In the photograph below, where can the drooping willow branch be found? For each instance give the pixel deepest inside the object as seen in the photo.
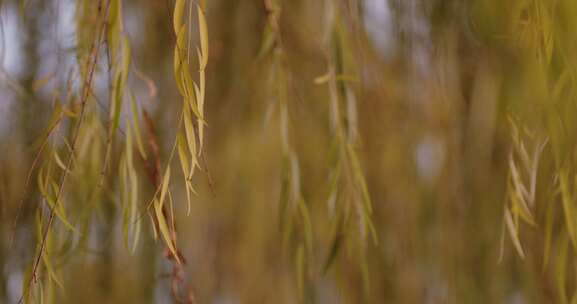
(293, 208)
(108, 30)
(348, 185)
(93, 61)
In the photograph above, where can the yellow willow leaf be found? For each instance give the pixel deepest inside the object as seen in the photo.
(188, 203)
(128, 147)
(524, 155)
(360, 179)
(190, 139)
(59, 162)
(199, 57)
(68, 112)
(114, 26)
(521, 209)
(171, 210)
(164, 187)
(154, 230)
(123, 187)
(200, 116)
(201, 101)
(116, 106)
(516, 178)
(136, 125)
(513, 233)
(47, 262)
(177, 60)
(163, 227)
(136, 236)
(134, 206)
(57, 210)
(177, 74)
(192, 106)
(133, 188)
(181, 45)
(181, 69)
(178, 14)
(188, 85)
(199, 95)
(126, 57)
(189, 190)
(130, 183)
(183, 154)
(322, 79)
(203, 32)
(41, 182)
(202, 90)
(200, 135)
(534, 170)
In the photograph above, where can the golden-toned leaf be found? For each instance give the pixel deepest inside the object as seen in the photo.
(178, 14)
(190, 139)
(43, 186)
(47, 261)
(164, 187)
(136, 126)
(203, 31)
(126, 56)
(513, 233)
(59, 161)
(183, 155)
(164, 231)
(322, 79)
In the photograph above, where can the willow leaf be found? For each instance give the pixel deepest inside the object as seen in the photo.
(203, 31)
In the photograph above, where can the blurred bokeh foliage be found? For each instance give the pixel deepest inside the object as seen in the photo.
(291, 151)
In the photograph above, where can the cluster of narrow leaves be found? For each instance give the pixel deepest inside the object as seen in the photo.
(190, 137)
(348, 192)
(80, 139)
(294, 214)
(521, 184)
(119, 57)
(552, 220)
(98, 145)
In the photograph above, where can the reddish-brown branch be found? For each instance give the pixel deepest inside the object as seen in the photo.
(153, 170)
